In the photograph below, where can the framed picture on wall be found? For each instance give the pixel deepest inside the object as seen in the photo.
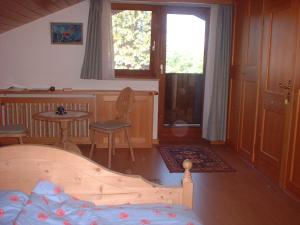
(66, 33)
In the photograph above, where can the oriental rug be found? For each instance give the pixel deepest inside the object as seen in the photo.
(204, 159)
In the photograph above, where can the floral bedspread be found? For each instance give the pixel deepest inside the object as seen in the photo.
(49, 204)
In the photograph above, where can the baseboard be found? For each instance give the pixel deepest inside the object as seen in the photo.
(217, 142)
(155, 141)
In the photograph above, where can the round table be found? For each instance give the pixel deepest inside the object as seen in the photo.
(64, 120)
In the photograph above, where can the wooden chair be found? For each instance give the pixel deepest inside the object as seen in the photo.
(18, 131)
(121, 121)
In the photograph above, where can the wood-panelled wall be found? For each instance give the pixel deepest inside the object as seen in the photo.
(264, 105)
(18, 108)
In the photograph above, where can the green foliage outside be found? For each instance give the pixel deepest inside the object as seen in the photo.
(183, 62)
(132, 39)
(132, 43)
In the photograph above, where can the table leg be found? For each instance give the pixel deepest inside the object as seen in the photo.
(65, 142)
(64, 133)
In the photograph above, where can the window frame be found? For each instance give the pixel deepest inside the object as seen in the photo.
(151, 72)
(157, 56)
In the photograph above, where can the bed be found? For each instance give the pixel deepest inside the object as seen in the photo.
(31, 169)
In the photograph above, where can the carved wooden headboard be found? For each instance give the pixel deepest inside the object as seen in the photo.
(21, 166)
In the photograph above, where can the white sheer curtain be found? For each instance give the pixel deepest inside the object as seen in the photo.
(217, 74)
(98, 60)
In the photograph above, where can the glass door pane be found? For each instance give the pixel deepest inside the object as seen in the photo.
(185, 54)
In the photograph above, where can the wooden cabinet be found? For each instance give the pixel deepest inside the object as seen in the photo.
(264, 110)
(18, 107)
(244, 77)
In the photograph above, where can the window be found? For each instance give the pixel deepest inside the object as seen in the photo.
(148, 42)
(133, 40)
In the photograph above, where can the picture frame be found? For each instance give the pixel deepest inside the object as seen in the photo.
(66, 33)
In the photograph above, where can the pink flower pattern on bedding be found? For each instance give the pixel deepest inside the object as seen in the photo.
(49, 204)
(11, 204)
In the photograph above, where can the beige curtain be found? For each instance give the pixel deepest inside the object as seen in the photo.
(98, 60)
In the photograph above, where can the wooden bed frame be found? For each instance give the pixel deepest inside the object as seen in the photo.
(21, 166)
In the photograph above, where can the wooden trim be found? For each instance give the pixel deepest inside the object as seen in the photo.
(70, 91)
(75, 173)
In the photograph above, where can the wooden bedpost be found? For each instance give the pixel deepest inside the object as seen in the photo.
(187, 184)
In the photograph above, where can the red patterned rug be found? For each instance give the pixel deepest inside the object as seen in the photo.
(204, 158)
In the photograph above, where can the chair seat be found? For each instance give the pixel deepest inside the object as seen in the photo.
(109, 125)
(12, 129)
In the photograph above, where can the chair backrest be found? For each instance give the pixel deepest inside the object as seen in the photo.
(124, 104)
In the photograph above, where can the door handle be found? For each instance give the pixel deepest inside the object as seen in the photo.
(287, 86)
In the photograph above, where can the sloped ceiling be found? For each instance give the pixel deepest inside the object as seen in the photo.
(14, 13)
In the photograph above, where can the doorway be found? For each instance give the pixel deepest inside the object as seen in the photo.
(182, 75)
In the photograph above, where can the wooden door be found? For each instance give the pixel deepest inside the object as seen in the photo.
(277, 71)
(293, 165)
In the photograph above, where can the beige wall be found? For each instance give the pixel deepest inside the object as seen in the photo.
(28, 59)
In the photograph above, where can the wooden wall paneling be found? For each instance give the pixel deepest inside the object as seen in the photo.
(9, 14)
(10, 22)
(278, 60)
(14, 6)
(15, 13)
(33, 6)
(61, 4)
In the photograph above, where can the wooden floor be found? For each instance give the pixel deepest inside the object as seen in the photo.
(245, 197)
